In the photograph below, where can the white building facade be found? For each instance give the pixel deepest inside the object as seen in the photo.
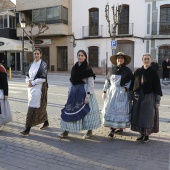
(138, 31)
(158, 29)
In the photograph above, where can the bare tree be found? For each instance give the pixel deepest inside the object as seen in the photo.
(42, 27)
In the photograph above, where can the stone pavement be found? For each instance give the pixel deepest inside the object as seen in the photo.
(43, 150)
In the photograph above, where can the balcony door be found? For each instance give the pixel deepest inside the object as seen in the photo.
(93, 22)
(62, 59)
(123, 26)
(93, 56)
(164, 20)
(127, 47)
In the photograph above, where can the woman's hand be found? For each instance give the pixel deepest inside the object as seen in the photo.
(103, 96)
(123, 91)
(157, 105)
(30, 84)
(86, 101)
(5, 97)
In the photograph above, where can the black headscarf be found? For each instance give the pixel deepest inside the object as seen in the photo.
(123, 71)
(79, 72)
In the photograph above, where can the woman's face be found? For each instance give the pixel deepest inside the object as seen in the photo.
(167, 59)
(37, 55)
(120, 60)
(146, 60)
(81, 57)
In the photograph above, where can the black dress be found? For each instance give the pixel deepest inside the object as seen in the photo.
(144, 114)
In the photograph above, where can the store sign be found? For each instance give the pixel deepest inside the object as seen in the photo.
(42, 41)
(1, 43)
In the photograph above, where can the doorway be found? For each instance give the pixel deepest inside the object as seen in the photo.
(62, 58)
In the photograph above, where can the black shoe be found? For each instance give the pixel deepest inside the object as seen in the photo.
(140, 138)
(111, 134)
(146, 139)
(88, 134)
(63, 134)
(24, 133)
(45, 125)
(118, 130)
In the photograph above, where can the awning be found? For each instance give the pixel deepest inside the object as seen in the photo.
(11, 45)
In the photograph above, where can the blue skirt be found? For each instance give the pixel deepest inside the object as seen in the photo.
(75, 109)
(91, 121)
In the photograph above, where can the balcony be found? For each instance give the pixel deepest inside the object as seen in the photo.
(124, 29)
(161, 28)
(54, 29)
(93, 31)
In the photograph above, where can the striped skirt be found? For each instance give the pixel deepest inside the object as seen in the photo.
(91, 121)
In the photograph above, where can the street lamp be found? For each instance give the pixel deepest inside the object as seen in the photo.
(23, 24)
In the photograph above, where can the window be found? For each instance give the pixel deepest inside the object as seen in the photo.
(93, 56)
(5, 21)
(39, 15)
(64, 13)
(1, 21)
(165, 19)
(123, 27)
(93, 22)
(51, 15)
(11, 22)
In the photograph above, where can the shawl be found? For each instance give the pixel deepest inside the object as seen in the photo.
(123, 71)
(79, 72)
(42, 71)
(151, 81)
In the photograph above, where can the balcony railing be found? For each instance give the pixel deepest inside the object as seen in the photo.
(125, 29)
(161, 28)
(92, 31)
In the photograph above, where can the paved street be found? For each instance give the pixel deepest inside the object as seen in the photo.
(43, 150)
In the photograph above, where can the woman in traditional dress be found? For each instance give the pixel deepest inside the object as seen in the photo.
(146, 100)
(81, 111)
(116, 94)
(5, 113)
(37, 93)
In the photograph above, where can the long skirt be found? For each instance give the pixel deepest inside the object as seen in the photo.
(5, 112)
(36, 116)
(144, 115)
(91, 121)
(116, 108)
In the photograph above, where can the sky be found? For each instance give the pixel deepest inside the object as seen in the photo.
(14, 1)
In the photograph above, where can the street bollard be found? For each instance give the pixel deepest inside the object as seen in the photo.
(10, 73)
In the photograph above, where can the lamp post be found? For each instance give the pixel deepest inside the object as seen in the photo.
(23, 24)
(116, 10)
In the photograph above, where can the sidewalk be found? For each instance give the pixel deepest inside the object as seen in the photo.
(43, 150)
